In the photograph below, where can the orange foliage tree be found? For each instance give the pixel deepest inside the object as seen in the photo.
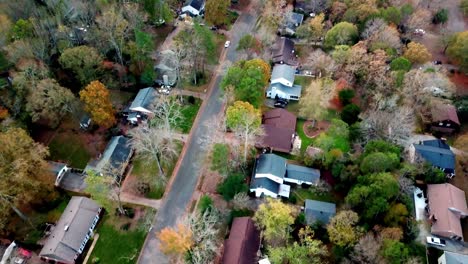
(262, 65)
(175, 241)
(97, 103)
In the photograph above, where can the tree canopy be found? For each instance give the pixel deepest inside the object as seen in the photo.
(457, 49)
(342, 229)
(417, 53)
(84, 61)
(275, 218)
(97, 103)
(343, 33)
(216, 11)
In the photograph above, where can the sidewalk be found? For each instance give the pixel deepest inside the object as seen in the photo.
(134, 199)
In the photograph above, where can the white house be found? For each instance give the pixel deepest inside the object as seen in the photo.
(272, 173)
(283, 74)
(278, 90)
(194, 7)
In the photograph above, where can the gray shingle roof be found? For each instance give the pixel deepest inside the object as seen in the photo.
(71, 229)
(264, 183)
(116, 155)
(145, 98)
(319, 211)
(56, 167)
(283, 71)
(295, 90)
(271, 164)
(438, 156)
(302, 173)
(455, 258)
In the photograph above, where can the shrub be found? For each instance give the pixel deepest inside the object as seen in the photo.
(440, 17)
(400, 64)
(379, 162)
(381, 146)
(232, 185)
(345, 96)
(395, 252)
(300, 219)
(205, 203)
(350, 114)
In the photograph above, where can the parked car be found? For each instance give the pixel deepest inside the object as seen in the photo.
(435, 241)
(280, 103)
(214, 28)
(437, 62)
(419, 31)
(226, 45)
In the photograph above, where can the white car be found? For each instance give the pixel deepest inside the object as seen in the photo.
(435, 241)
(226, 45)
(419, 31)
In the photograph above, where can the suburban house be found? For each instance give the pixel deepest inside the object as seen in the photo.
(194, 8)
(307, 7)
(437, 153)
(452, 258)
(318, 211)
(69, 237)
(115, 158)
(282, 83)
(58, 169)
(444, 119)
(291, 23)
(283, 52)
(280, 130)
(166, 68)
(243, 244)
(272, 174)
(142, 105)
(446, 207)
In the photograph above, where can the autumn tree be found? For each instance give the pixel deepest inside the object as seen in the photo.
(245, 121)
(421, 18)
(175, 241)
(395, 252)
(97, 103)
(5, 26)
(457, 49)
(83, 61)
(367, 250)
(105, 187)
(205, 234)
(342, 229)
(216, 11)
(23, 175)
(313, 30)
(397, 215)
(311, 106)
(259, 64)
(50, 101)
(275, 218)
(343, 33)
(307, 250)
(417, 53)
(246, 44)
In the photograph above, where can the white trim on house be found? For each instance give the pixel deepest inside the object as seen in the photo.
(265, 192)
(283, 81)
(269, 176)
(141, 110)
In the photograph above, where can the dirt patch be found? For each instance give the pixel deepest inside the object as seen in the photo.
(313, 129)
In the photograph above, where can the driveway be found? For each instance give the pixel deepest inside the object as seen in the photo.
(175, 203)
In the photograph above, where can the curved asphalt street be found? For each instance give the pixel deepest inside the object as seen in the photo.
(183, 186)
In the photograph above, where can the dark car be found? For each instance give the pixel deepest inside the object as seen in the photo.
(281, 103)
(437, 62)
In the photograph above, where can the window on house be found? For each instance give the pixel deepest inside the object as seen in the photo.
(441, 124)
(448, 124)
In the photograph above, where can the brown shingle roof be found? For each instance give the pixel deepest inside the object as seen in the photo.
(447, 205)
(280, 128)
(283, 52)
(442, 112)
(243, 243)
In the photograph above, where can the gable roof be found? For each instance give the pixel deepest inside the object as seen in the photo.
(295, 90)
(296, 18)
(277, 138)
(454, 258)
(264, 183)
(116, 155)
(56, 167)
(283, 51)
(302, 173)
(144, 99)
(271, 164)
(446, 204)
(442, 112)
(65, 240)
(280, 118)
(243, 243)
(436, 153)
(319, 211)
(283, 71)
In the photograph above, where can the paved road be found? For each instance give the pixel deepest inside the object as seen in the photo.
(183, 186)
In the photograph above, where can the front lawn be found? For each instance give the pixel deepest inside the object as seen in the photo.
(189, 112)
(305, 140)
(121, 238)
(68, 148)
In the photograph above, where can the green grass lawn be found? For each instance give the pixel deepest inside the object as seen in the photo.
(117, 246)
(68, 148)
(189, 112)
(311, 194)
(303, 81)
(305, 140)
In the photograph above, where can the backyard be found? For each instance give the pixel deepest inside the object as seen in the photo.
(299, 196)
(121, 238)
(68, 148)
(305, 140)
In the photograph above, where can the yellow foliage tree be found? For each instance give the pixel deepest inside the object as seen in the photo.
(97, 103)
(417, 53)
(175, 242)
(275, 218)
(262, 65)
